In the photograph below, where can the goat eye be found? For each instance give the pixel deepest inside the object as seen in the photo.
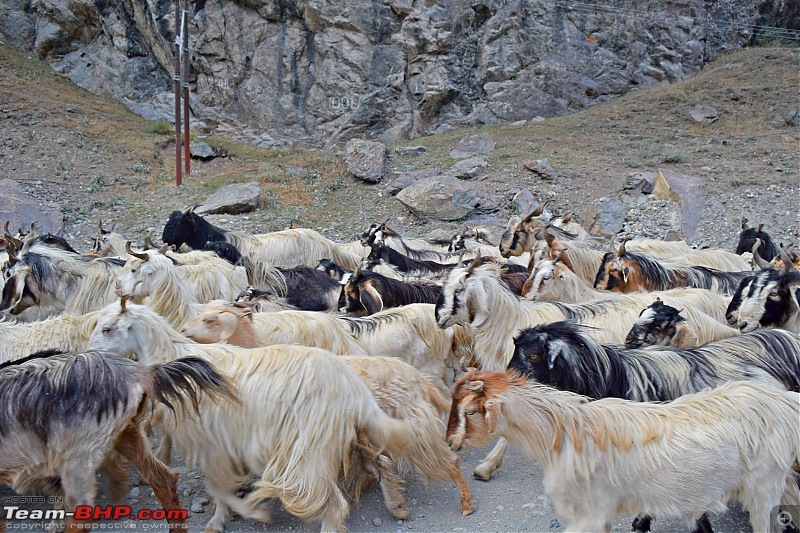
(106, 329)
(774, 296)
(470, 412)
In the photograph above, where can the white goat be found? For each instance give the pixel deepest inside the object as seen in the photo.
(600, 458)
(64, 332)
(300, 448)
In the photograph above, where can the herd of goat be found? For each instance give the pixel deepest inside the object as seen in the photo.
(655, 380)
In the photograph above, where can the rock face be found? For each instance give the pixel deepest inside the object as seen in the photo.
(444, 198)
(366, 160)
(689, 192)
(20, 211)
(232, 199)
(327, 71)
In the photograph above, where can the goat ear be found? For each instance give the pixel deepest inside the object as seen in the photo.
(477, 316)
(370, 298)
(625, 271)
(493, 409)
(228, 321)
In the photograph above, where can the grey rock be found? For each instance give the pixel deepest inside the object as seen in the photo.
(134, 493)
(640, 182)
(411, 150)
(366, 160)
(232, 199)
(197, 508)
(468, 169)
(792, 118)
(444, 198)
(473, 145)
(542, 168)
(377, 522)
(201, 150)
(609, 217)
(407, 179)
(689, 192)
(704, 114)
(183, 487)
(20, 210)
(201, 500)
(521, 201)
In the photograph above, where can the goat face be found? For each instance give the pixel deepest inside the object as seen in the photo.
(116, 332)
(473, 417)
(331, 269)
(613, 275)
(462, 301)
(137, 277)
(508, 236)
(359, 295)
(771, 300)
(369, 236)
(656, 325)
(21, 290)
(542, 279)
(536, 355)
(214, 325)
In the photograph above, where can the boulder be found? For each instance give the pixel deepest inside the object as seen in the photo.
(232, 199)
(640, 182)
(542, 168)
(704, 114)
(410, 150)
(468, 169)
(521, 201)
(20, 210)
(689, 192)
(609, 217)
(366, 160)
(444, 198)
(473, 145)
(202, 151)
(407, 179)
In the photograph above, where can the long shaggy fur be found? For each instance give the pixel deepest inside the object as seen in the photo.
(65, 332)
(770, 299)
(738, 442)
(562, 354)
(368, 292)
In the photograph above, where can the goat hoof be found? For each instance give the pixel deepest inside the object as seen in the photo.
(400, 512)
(466, 511)
(483, 476)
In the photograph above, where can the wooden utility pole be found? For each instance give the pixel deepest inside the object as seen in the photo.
(177, 79)
(185, 83)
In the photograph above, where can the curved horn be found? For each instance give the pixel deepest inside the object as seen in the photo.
(557, 258)
(137, 255)
(478, 261)
(549, 237)
(566, 218)
(622, 251)
(123, 301)
(759, 261)
(539, 210)
(26, 244)
(787, 261)
(475, 386)
(11, 238)
(148, 241)
(744, 224)
(760, 226)
(164, 249)
(460, 262)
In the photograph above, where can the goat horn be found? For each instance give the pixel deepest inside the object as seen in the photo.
(475, 386)
(539, 210)
(566, 218)
(557, 259)
(164, 249)
(123, 301)
(137, 255)
(460, 262)
(102, 230)
(250, 304)
(478, 261)
(744, 223)
(787, 261)
(148, 241)
(759, 261)
(548, 236)
(760, 226)
(29, 238)
(11, 238)
(622, 251)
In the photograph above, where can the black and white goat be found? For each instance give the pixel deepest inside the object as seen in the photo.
(366, 292)
(771, 298)
(747, 239)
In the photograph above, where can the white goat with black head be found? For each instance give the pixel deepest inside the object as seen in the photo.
(770, 299)
(301, 448)
(737, 442)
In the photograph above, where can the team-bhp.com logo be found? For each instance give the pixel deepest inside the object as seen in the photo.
(93, 513)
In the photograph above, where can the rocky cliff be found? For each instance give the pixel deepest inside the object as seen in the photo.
(325, 71)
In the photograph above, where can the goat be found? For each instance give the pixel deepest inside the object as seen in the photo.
(63, 332)
(600, 458)
(65, 413)
(381, 254)
(407, 333)
(564, 355)
(309, 289)
(553, 281)
(625, 271)
(747, 239)
(331, 269)
(662, 325)
(176, 292)
(57, 280)
(368, 292)
(299, 448)
(263, 301)
(109, 243)
(414, 248)
(771, 298)
(520, 234)
(287, 248)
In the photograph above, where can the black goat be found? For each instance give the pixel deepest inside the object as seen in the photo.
(331, 269)
(366, 292)
(747, 238)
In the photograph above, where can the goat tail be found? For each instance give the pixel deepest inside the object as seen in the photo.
(188, 379)
(435, 397)
(385, 432)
